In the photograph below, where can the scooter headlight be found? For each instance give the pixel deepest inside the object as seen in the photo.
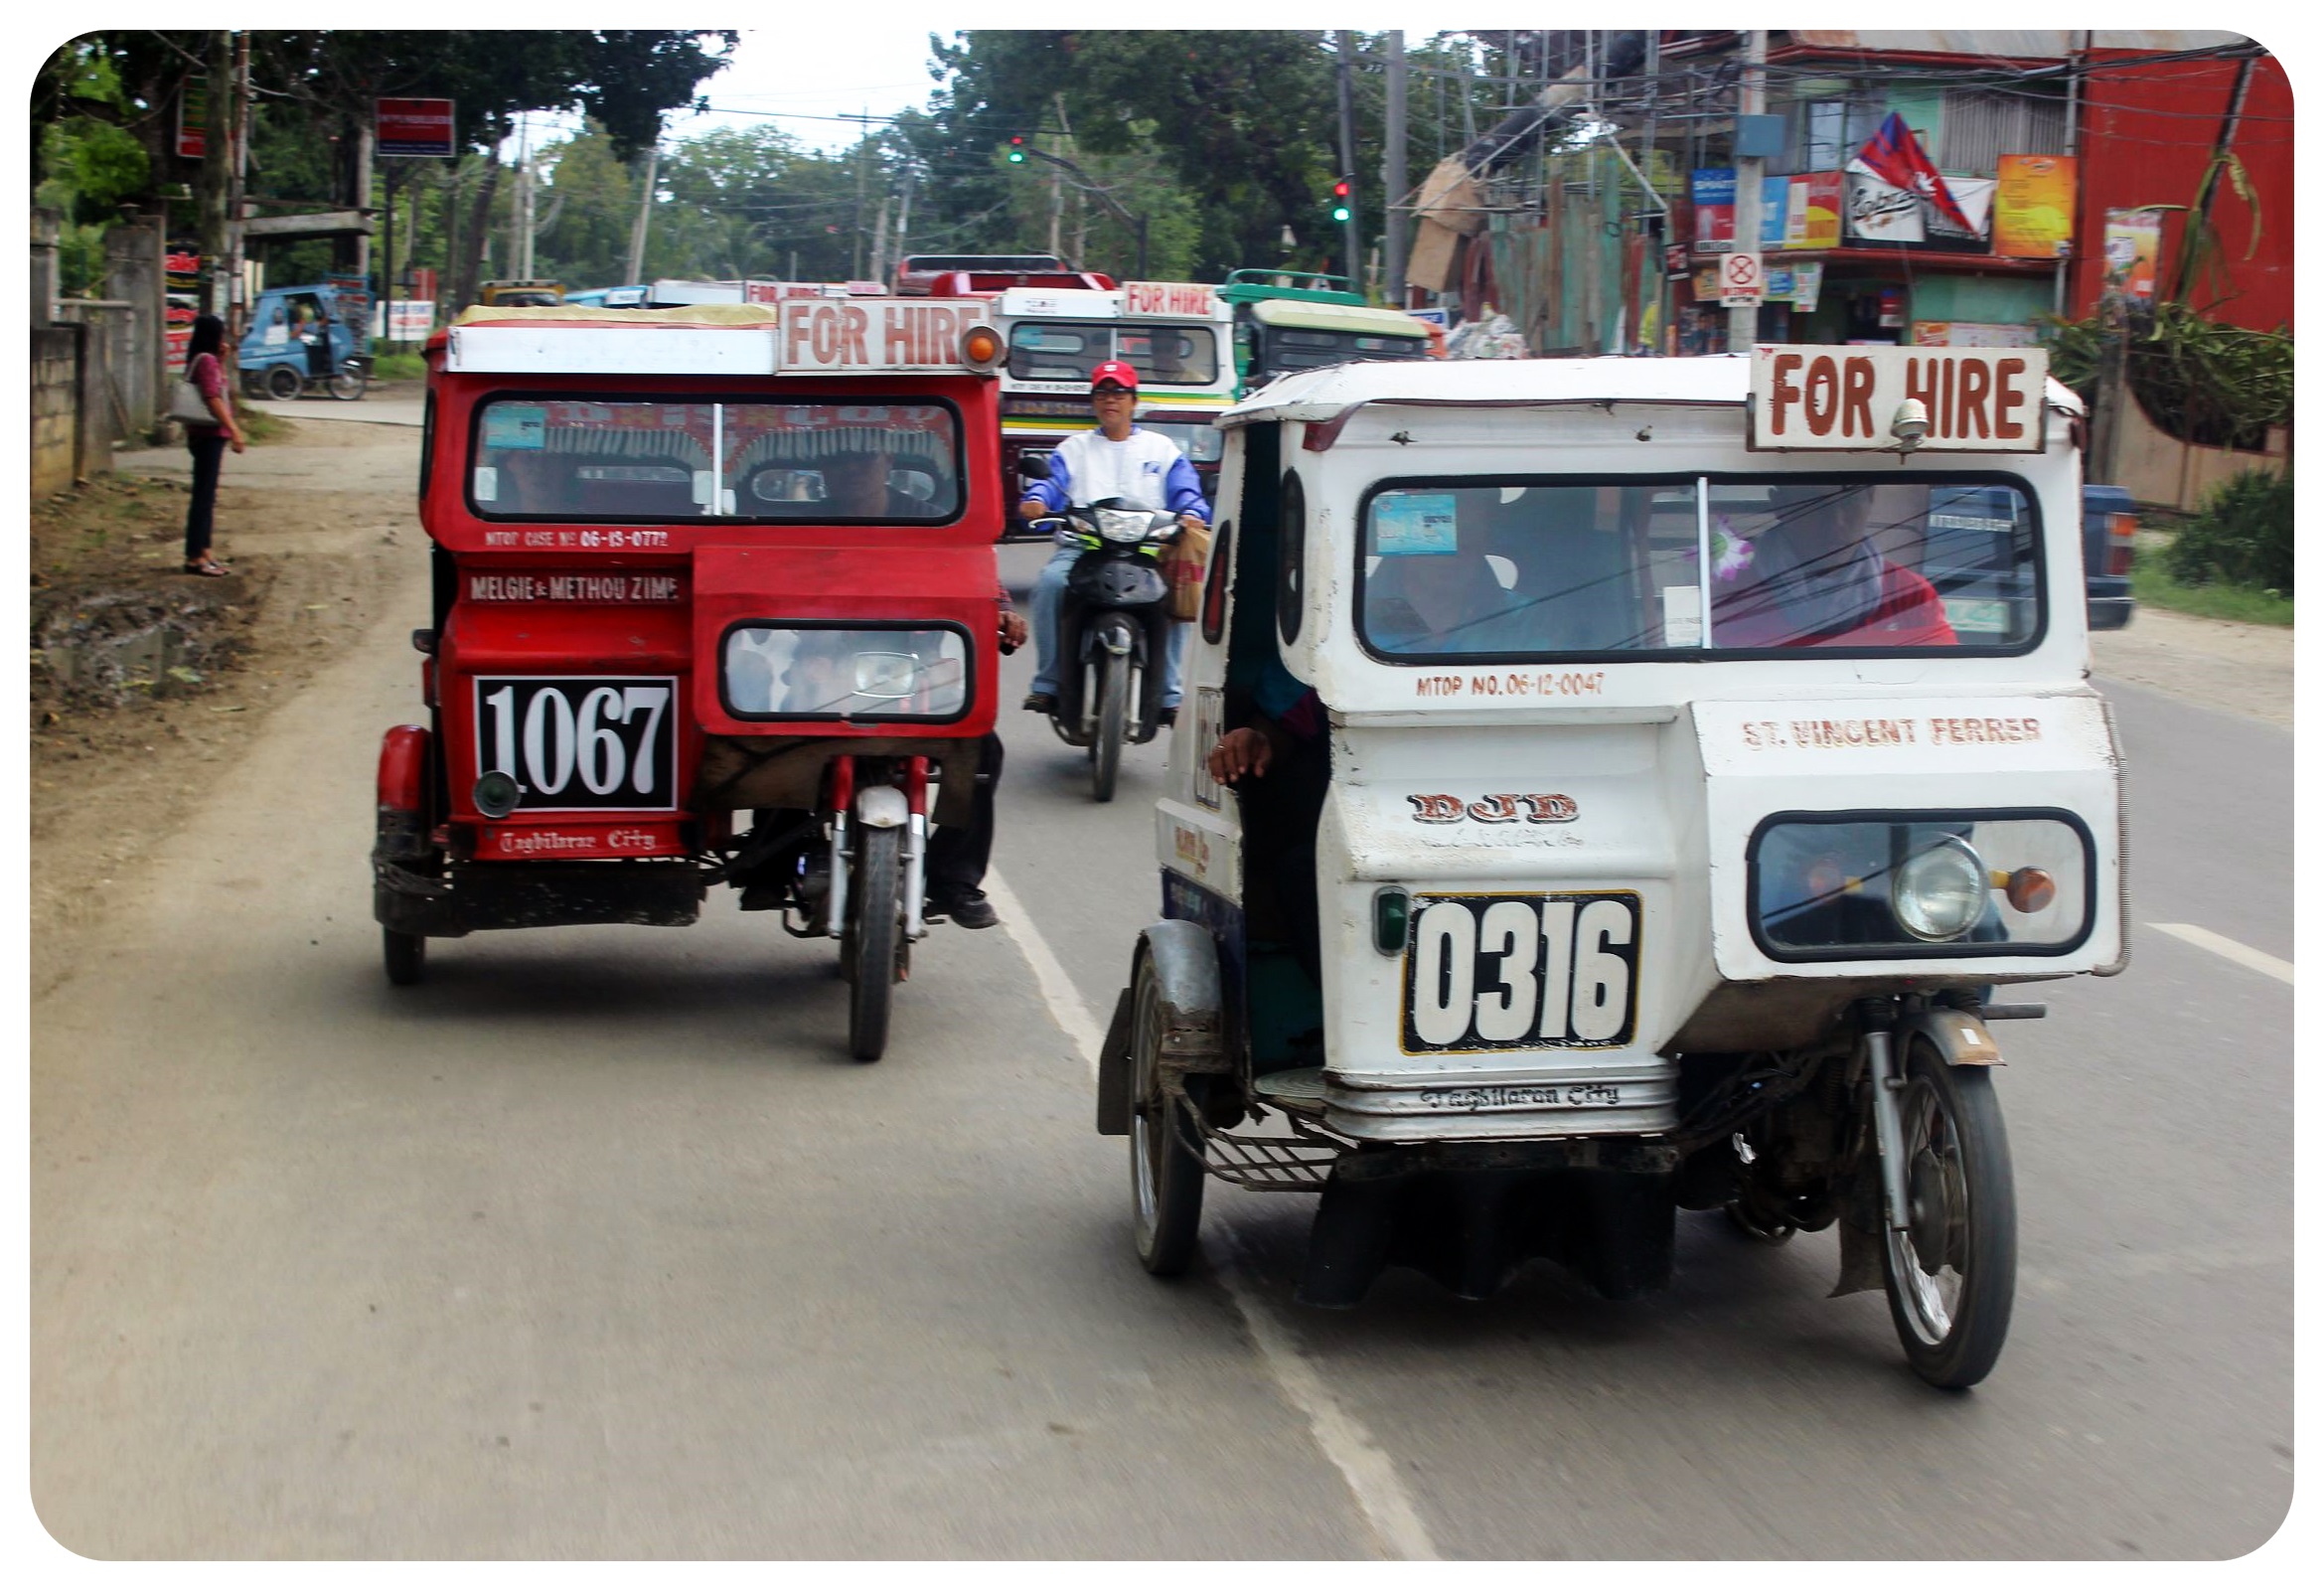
(1122, 524)
(1941, 893)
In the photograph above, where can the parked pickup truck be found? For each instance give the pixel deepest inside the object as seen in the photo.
(2108, 523)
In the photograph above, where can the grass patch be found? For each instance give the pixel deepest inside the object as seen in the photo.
(259, 427)
(2244, 604)
(398, 366)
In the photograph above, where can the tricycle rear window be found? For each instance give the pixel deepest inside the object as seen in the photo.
(649, 460)
(1539, 568)
(1068, 350)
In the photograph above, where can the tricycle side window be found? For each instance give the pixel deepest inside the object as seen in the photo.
(632, 460)
(1524, 568)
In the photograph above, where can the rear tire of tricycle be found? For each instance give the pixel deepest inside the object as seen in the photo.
(405, 956)
(877, 932)
(282, 382)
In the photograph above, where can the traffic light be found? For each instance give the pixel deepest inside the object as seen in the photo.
(1340, 192)
(1017, 149)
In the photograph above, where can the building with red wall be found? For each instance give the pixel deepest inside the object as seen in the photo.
(2149, 131)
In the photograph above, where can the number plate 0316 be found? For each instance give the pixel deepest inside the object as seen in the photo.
(1521, 972)
(587, 744)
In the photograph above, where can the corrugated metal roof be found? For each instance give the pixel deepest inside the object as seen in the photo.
(2039, 43)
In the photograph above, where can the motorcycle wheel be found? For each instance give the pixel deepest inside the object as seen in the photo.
(1166, 1176)
(405, 956)
(1953, 1272)
(1105, 748)
(347, 385)
(876, 929)
(284, 382)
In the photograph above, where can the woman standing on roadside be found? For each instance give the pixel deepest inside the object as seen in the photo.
(207, 442)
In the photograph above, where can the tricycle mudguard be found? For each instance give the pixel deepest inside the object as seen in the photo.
(1185, 975)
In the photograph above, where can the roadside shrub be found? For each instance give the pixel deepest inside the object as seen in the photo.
(2241, 537)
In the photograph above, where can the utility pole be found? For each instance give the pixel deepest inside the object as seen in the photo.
(863, 154)
(239, 122)
(216, 185)
(365, 134)
(1353, 253)
(903, 220)
(879, 242)
(1394, 176)
(1653, 104)
(521, 250)
(1743, 321)
(637, 228)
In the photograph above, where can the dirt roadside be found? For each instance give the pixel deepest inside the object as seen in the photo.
(324, 536)
(144, 677)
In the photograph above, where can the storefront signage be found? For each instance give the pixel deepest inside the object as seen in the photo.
(1806, 285)
(1897, 217)
(1976, 401)
(1714, 200)
(2033, 206)
(415, 127)
(2134, 238)
(1971, 334)
(1813, 221)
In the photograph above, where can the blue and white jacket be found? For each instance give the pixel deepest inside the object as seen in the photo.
(1145, 470)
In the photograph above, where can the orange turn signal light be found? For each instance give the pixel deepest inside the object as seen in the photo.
(2030, 889)
(981, 348)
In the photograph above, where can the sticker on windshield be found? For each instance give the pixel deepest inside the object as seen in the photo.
(1406, 522)
(516, 426)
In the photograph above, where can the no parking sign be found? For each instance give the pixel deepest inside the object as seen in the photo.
(1741, 280)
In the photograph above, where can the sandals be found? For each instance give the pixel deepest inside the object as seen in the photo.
(206, 565)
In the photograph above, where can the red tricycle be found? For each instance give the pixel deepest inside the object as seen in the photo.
(691, 563)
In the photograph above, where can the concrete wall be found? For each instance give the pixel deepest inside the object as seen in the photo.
(2157, 468)
(136, 359)
(55, 408)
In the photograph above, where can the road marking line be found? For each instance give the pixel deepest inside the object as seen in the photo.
(1057, 991)
(1365, 1467)
(1363, 1464)
(2219, 944)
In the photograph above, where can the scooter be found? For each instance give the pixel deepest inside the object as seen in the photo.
(1114, 622)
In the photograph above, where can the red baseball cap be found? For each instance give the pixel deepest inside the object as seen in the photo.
(1115, 370)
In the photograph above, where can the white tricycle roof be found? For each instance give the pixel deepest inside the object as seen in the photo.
(1706, 379)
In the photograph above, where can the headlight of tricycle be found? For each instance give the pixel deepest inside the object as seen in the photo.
(1941, 893)
(1913, 886)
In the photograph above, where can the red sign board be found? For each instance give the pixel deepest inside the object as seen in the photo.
(415, 127)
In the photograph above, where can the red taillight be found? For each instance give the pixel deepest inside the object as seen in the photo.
(2120, 530)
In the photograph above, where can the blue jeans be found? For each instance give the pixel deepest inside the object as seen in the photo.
(1049, 596)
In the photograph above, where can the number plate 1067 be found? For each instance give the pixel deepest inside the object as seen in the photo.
(1521, 972)
(580, 744)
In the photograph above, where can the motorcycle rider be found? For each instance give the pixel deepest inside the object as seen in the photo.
(1141, 468)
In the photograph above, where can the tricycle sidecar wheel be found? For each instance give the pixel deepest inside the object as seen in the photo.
(283, 382)
(405, 956)
(1952, 1274)
(1105, 750)
(877, 930)
(1165, 1175)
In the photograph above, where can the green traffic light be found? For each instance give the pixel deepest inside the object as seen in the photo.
(1339, 211)
(1016, 157)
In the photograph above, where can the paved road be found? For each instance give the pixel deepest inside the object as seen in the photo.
(596, 1245)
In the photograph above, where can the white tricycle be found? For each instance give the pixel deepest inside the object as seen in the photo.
(1618, 786)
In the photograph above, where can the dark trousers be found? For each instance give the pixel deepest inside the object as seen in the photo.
(958, 853)
(208, 445)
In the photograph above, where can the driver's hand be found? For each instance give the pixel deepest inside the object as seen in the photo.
(1192, 522)
(1013, 630)
(1240, 751)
